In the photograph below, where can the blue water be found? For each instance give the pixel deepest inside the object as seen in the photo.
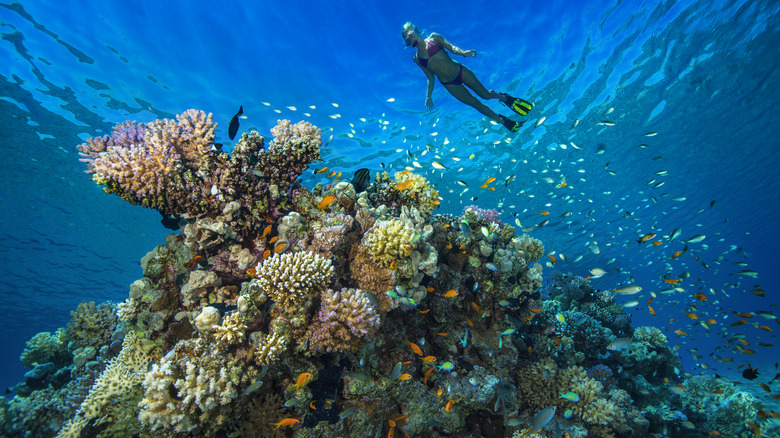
(702, 75)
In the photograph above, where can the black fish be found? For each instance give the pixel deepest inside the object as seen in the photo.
(750, 373)
(171, 221)
(361, 179)
(233, 128)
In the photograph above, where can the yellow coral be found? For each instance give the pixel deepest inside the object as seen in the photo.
(232, 329)
(390, 243)
(652, 336)
(427, 197)
(270, 348)
(121, 375)
(290, 277)
(529, 248)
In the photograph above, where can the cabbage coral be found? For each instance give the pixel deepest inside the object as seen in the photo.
(390, 243)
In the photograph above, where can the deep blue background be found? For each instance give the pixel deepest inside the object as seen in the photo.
(703, 75)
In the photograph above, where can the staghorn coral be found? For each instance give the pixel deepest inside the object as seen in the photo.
(288, 278)
(231, 331)
(344, 320)
(268, 348)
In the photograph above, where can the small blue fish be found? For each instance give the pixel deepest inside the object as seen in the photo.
(393, 294)
(568, 413)
(507, 332)
(514, 422)
(396, 371)
(465, 338)
(346, 413)
(492, 267)
(476, 286)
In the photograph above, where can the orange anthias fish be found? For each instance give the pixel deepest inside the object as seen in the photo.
(303, 380)
(323, 170)
(562, 185)
(416, 348)
(544, 213)
(449, 405)
(252, 272)
(652, 312)
(676, 254)
(552, 258)
(404, 376)
(280, 248)
(672, 281)
(273, 239)
(266, 254)
(700, 296)
(692, 315)
(657, 243)
(326, 201)
(266, 231)
(286, 422)
(404, 185)
(450, 294)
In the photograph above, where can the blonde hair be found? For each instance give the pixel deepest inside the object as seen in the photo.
(408, 27)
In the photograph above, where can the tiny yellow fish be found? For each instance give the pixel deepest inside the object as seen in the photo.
(266, 231)
(266, 254)
(273, 239)
(286, 422)
(280, 248)
(404, 376)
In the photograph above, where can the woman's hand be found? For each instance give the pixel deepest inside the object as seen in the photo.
(428, 103)
(470, 53)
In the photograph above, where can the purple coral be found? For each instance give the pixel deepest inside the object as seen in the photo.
(603, 374)
(489, 215)
(345, 318)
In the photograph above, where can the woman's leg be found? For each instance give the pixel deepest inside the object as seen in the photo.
(462, 94)
(471, 81)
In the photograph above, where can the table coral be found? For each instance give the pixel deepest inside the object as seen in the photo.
(344, 320)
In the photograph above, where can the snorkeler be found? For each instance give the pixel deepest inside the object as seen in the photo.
(456, 77)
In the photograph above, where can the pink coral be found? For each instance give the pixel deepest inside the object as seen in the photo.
(140, 166)
(345, 317)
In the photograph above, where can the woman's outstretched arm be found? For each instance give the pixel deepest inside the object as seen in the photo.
(452, 48)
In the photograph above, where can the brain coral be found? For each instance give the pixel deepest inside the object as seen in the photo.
(390, 242)
(289, 277)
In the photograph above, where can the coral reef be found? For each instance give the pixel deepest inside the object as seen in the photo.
(342, 314)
